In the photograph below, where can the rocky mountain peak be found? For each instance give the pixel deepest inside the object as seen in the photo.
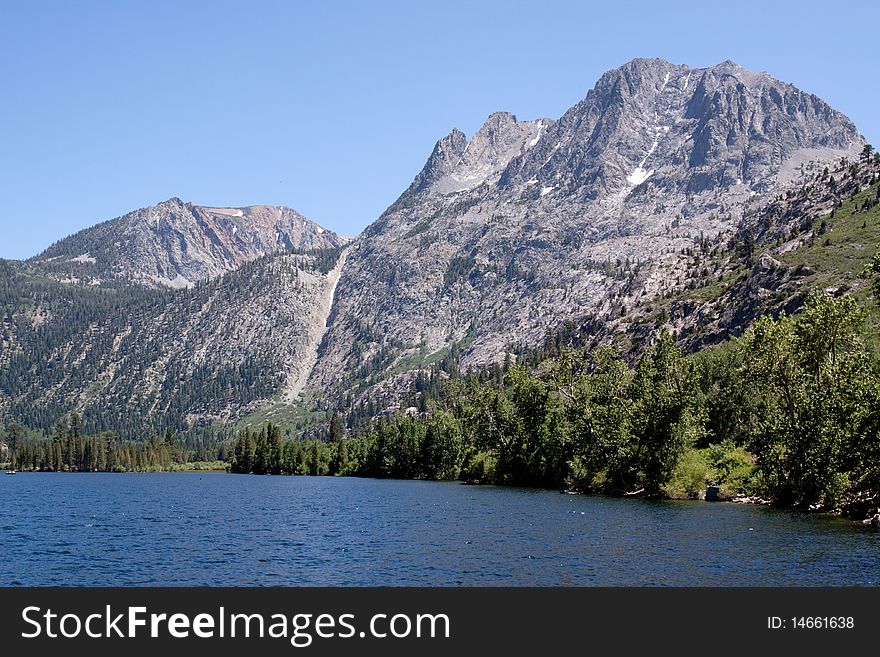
(457, 164)
(442, 161)
(175, 243)
(726, 125)
(533, 223)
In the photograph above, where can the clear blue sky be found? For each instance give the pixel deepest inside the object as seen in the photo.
(332, 107)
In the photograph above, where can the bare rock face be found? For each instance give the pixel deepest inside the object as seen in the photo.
(442, 162)
(176, 244)
(531, 223)
(689, 130)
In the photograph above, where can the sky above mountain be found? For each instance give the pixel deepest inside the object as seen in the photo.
(332, 108)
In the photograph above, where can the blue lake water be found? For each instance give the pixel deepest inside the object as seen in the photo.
(220, 529)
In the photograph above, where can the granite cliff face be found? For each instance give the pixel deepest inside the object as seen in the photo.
(532, 223)
(176, 244)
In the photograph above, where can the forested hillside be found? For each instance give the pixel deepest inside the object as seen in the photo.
(139, 360)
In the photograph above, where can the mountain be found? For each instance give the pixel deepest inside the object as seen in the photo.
(176, 244)
(171, 316)
(691, 199)
(531, 224)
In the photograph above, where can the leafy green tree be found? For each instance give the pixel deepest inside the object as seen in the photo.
(273, 448)
(315, 466)
(340, 462)
(14, 434)
(663, 422)
(813, 376)
(442, 447)
(722, 394)
(600, 411)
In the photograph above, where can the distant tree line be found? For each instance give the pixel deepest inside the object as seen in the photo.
(68, 449)
(790, 412)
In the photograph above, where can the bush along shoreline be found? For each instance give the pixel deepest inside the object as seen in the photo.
(787, 414)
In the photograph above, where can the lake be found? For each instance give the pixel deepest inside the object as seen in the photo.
(220, 529)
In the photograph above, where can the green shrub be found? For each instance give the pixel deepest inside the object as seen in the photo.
(480, 467)
(734, 468)
(691, 476)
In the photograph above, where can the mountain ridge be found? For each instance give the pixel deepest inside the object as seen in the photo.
(176, 243)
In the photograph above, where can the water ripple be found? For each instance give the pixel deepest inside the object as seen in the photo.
(186, 529)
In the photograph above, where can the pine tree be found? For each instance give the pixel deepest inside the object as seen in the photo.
(337, 431)
(315, 459)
